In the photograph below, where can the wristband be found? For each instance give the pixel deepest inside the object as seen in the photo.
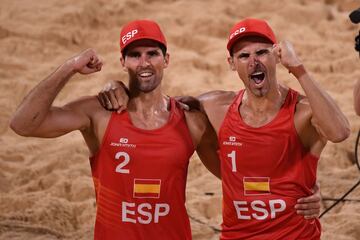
(297, 71)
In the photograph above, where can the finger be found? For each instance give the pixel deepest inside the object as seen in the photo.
(184, 106)
(114, 100)
(93, 59)
(307, 213)
(121, 109)
(88, 70)
(103, 100)
(111, 100)
(312, 198)
(305, 206)
(121, 96)
(98, 66)
(311, 216)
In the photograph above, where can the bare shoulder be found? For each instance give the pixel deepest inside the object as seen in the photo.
(197, 123)
(196, 119)
(218, 96)
(86, 104)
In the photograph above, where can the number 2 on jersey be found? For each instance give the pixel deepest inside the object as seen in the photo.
(232, 155)
(120, 166)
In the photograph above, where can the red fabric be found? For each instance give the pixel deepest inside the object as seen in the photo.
(250, 27)
(140, 177)
(141, 29)
(264, 171)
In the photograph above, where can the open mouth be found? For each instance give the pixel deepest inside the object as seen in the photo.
(145, 74)
(258, 77)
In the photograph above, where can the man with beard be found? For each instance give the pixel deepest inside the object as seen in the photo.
(270, 137)
(138, 159)
(280, 135)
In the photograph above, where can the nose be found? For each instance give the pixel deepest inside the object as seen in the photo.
(144, 61)
(253, 60)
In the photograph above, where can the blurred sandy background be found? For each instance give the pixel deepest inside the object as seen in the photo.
(46, 190)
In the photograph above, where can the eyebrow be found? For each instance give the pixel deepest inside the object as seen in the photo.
(261, 50)
(152, 51)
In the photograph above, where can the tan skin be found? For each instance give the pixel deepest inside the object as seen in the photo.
(357, 98)
(148, 107)
(262, 102)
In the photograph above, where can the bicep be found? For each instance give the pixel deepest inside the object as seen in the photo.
(357, 97)
(62, 120)
(308, 129)
(207, 151)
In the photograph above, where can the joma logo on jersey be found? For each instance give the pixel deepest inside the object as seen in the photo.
(232, 142)
(123, 142)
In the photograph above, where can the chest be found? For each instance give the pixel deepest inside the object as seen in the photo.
(267, 149)
(136, 152)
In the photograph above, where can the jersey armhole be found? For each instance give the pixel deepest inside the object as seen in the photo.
(238, 97)
(107, 130)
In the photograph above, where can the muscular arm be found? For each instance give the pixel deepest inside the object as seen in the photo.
(205, 141)
(327, 118)
(38, 118)
(357, 97)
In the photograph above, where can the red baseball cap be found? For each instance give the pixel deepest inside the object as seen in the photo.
(250, 27)
(140, 29)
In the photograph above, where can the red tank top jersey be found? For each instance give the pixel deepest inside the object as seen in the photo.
(140, 178)
(264, 171)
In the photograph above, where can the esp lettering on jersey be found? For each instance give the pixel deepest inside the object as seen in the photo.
(146, 213)
(258, 209)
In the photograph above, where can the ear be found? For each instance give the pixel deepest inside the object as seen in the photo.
(166, 60)
(122, 61)
(231, 63)
(276, 52)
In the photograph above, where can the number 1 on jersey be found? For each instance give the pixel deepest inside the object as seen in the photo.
(232, 155)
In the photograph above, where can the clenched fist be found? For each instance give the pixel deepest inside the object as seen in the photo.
(86, 62)
(286, 54)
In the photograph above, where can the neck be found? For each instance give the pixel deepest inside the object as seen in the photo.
(148, 104)
(273, 100)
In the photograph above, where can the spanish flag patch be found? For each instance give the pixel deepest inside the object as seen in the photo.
(147, 188)
(256, 185)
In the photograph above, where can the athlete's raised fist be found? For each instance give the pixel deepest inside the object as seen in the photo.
(86, 62)
(286, 53)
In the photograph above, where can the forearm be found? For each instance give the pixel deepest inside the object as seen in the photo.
(36, 105)
(330, 119)
(357, 97)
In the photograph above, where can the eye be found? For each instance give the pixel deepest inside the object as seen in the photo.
(153, 53)
(262, 52)
(243, 55)
(133, 54)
